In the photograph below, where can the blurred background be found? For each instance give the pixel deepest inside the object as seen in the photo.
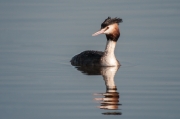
(39, 37)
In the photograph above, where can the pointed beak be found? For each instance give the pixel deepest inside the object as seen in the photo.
(99, 32)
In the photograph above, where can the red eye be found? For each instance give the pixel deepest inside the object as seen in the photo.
(107, 28)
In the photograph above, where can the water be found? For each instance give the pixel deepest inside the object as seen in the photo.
(38, 38)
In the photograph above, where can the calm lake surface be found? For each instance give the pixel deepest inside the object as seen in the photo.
(39, 37)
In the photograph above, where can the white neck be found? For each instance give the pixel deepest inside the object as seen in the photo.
(109, 59)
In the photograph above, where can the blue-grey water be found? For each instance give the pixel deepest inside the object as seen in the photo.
(39, 37)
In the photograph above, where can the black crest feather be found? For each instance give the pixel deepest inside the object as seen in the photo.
(110, 21)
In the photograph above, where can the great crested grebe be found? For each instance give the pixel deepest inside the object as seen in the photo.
(98, 58)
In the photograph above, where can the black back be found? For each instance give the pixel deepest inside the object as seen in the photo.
(87, 58)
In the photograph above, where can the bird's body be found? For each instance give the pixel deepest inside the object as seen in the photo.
(87, 58)
(99, 58)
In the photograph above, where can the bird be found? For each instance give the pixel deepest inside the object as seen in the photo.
(110, 27)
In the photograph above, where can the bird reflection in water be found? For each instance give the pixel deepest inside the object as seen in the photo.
(110, 99)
